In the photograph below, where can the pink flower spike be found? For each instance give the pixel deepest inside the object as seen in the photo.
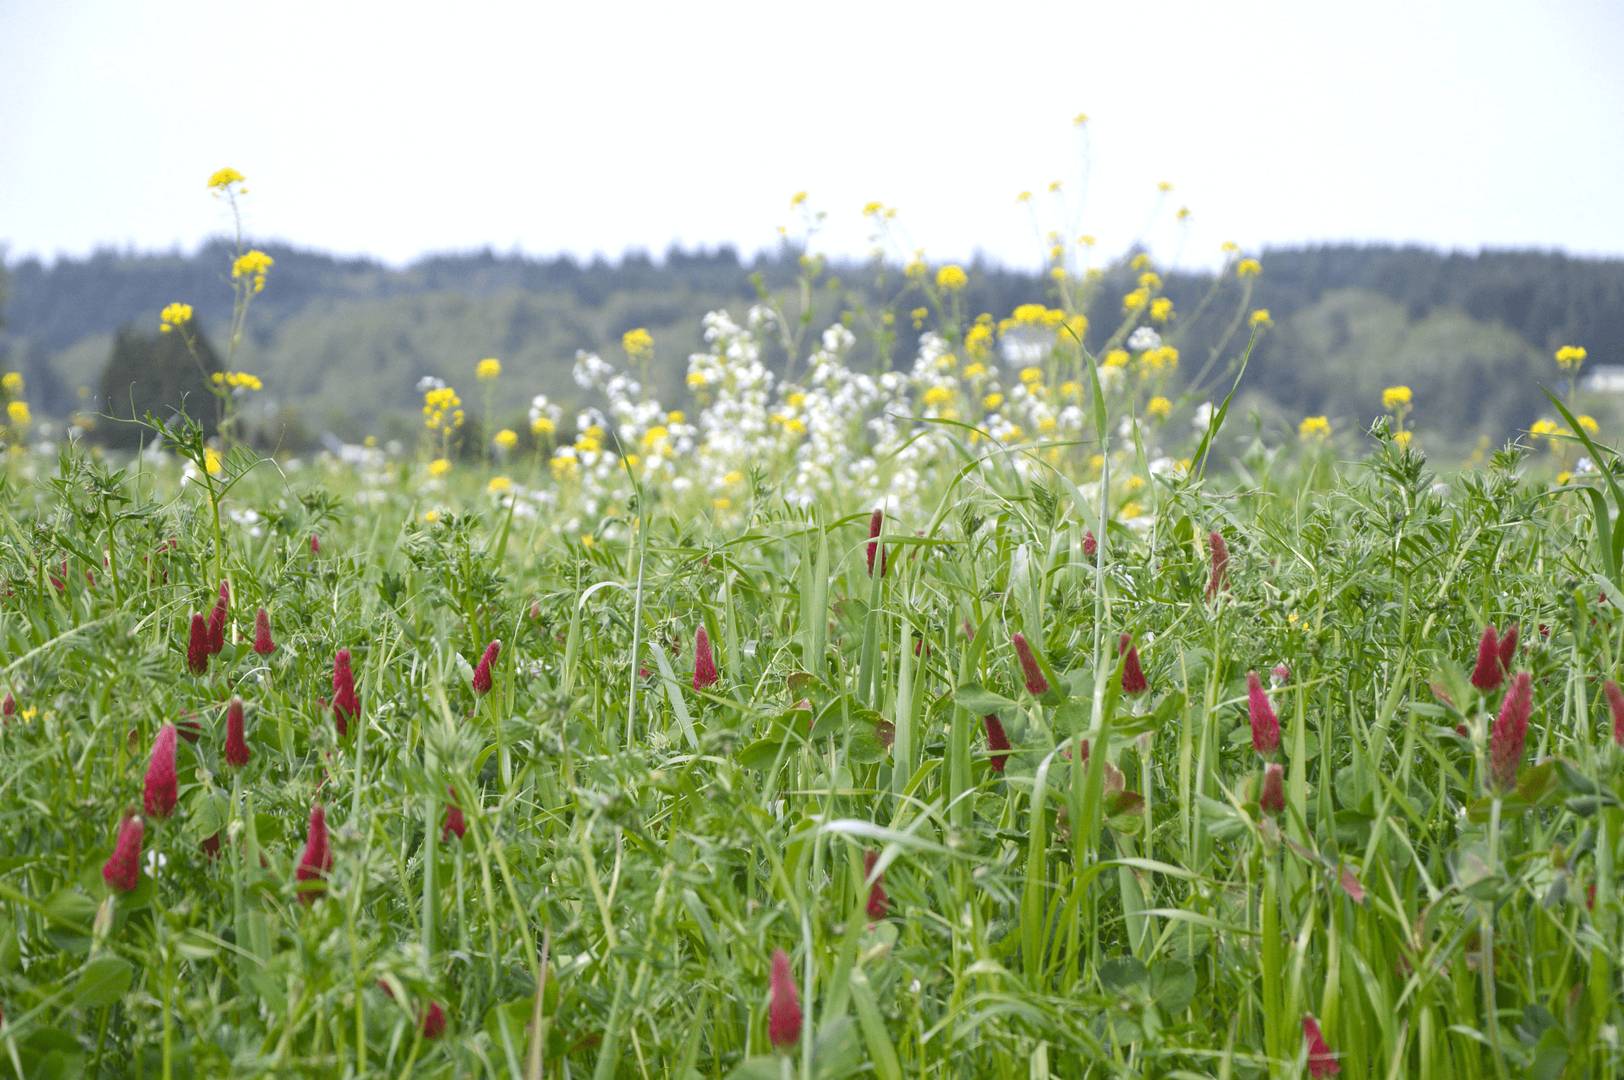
(1488, 674)
(784, 1004)
(1265, 725)
(482, 673)
(122, 871)
(263, 644)
(1509, 735)
(1031, 670)
(704, 663)
(1321, 1062)
(1615, 705)
(158, 794)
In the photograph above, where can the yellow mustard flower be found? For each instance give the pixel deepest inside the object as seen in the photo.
(17, 412)
(1569, 357)
(1260, 317)
(1159, 407)
(1161, 309)
(173, 315)
(430, 516)
(1314, 427)
(507, 438)
(1396, 397)
(1589, 424)
(1247, 268)
(1402, 439)
(212, 462)
(951, 278)
(439, 467)
(488, 369)
(638, 343)
(12, 382)
(1116, 358)
(497, 485)
(252, 264)
(1543, 428)
(542, 425)
(992, 400)
(224, 178)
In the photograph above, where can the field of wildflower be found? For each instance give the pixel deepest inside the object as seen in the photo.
(996, 713)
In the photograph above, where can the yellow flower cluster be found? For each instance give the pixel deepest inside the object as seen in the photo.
(17, 412)
(1396, 397)
(1569, 357)
(1161, 309)
(1261, 318)
(978, 339)
(1159, 407)
(252, 264)
(237, 380)
(498, 485)
(542, 425)
(488, 369)
(1314, 427)
(951, 278)
(173, 315)
(439, 467)
(442, 409)
(1161, 358)
(1248, 268)
(224, 178)
(212, 462)
(12, 382)
(506, 439)
(638, 343)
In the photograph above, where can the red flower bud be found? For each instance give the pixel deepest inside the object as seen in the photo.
(236, 743)
(217, 621)
(1273, 798)
(315, 544)
(875, 522)
(1031, 671)
(262, 633)
(1321, 1062)
(1220, 564)
(1091, 546)
(122, 871)
(1265, 725)
(1508, 648)
(784, 1005)
(1488, 673)
(317, 858)
(1509, 735)
(211, 846)
(1615, 705)
(1280, 674)
(434, 1021)
(8, 708)
(997, 742)
(197, 646)
(454, 823)
(1133, 677)
(482, 672)
(879, 904)
(345, 704)
(704, 662)
(158, 794)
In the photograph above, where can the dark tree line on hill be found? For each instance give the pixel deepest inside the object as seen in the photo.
(1464, 316)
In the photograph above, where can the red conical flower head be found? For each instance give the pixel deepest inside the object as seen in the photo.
(1615, 705)
(784, 1004)
(262, 633)
(317, 857)
(1133, 677)
(1091, 546)
(454, 823)
(197, 645)
(1509, 735)
(8, 708)
(482, 673)
(434, 1021)
(876, 522)
(122, 871)
(345, 704)
(1265, 725)
(879, 904)
(997, 742)
(158, 794)
(1031, 670)
(1508, 648)
(1488, 673)
(1321, 1062)
(236, 740)
(217, 621)
(1273, 798)
(704, 663)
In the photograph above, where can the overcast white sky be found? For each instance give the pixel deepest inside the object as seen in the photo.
(395, 129)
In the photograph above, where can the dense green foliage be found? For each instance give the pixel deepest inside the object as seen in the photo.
(636, 848)
(1472, 333)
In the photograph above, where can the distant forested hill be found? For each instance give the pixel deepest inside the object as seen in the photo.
(341, 342)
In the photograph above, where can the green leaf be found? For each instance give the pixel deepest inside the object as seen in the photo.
(981, 701)
(103, 981)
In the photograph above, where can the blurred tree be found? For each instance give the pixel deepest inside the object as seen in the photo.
(157, 373)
